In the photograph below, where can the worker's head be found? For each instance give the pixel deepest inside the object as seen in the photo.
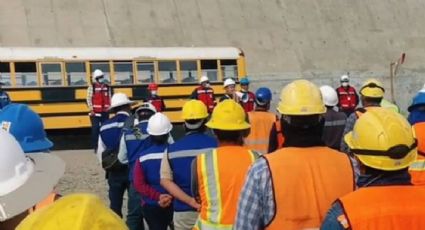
(153, 88)
(418, 102)
(25, 180)
(228, 120)
(120, 102)
(75, 211)
(26, 126)
(329, 95)
(244, 84)
(345, 81)
(204, 81)
(229, 86)
(383, 141)
(159, 128)
(145, 111)
(301, 106)
(372, 93)
(97, 76)
(263, 97)
(194, 114)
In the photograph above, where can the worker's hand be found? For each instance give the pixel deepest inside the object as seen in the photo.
(165, 200)
(91, 113)
(195, 204)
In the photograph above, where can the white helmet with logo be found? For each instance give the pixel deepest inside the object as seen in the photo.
(228, 82)
(119, 99)
(203, 79)
(97, 73)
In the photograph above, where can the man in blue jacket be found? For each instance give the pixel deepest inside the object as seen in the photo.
(176, 165)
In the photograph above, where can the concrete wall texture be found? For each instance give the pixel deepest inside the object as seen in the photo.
(282, 39)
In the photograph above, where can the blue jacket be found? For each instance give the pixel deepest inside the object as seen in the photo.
(181, 155)
(331, 221)
(4, 99)
(150, 160)
(111, 131)
(135, 142)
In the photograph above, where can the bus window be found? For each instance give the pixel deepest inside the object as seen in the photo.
(145, 72)
(229, 69)
(167, 71)
(76, 73)
(51, 74)
(189, 71)
(5, 74)
(209, 69)
(123, 73)
(26, 74)
(104, 66)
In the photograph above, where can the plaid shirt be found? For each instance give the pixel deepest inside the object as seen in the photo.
(256, 206)
(89, 97)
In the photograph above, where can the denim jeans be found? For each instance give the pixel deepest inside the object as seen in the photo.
(96, 122)
(134, 215)
(158, 218)
(118, 183)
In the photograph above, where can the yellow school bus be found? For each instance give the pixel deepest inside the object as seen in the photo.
(54, 81)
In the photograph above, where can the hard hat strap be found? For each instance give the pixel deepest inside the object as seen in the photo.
(395, 152)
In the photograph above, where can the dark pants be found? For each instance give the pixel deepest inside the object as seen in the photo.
(96, 122)
(158, 218)
(118, 183)
(134, 215)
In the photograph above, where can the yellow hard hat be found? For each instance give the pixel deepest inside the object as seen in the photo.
(372, 88)
(228, 115)
(193, 110)
(74, 212)
(301, 97)
(382, 139)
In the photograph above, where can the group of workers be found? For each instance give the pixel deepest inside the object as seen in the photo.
(323, 163)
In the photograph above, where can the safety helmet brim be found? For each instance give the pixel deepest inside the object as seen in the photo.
(121, 104)
(48, 169)
(37, 146)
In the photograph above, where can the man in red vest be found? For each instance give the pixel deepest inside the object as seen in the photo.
(98, 101)
(154, 99)
(347, 96)
(204, 93)
(248, 97)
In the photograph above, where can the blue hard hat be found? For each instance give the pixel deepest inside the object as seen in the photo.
(244, 81)
(418, 100)
(26, 126)
(263, 95)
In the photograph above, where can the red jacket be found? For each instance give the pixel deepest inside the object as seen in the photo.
(157, 102)
(348, 98)
(248, 101)
(206, 95)
(101, 98)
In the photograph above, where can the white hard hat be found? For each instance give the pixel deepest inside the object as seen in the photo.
(97, 73)
(119, 99)
(228, 82)
(159, 124)
(330, 98)
(203, 79)
(24, 180)
(345, 78)
(423, 89)
(146, 106)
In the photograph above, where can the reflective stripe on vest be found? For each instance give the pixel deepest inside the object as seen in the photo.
(385, 207)
(112, 125)
(347, 99)
(335, 123)
(101, 100)
(44, 203)
(259, 136)
(216, 171)
(187, 153)
(306, 181)
(417, 171)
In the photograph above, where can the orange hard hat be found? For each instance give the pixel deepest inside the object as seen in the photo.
(152, 86)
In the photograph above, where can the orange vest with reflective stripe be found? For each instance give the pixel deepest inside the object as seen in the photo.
(385, 207)
(44, 203)
(306, 181)
(221, 175)
(417, 168)
(261, 125)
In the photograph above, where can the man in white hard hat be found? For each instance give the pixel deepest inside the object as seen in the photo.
(98, 101)
(334, 120)
(204, 93)
(230, 88)
(108, 148)
(347, 96)
(24, 180)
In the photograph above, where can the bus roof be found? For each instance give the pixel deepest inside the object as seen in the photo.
(117, 53)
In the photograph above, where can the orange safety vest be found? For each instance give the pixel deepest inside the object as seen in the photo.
(44, 203)
(261, 125)
(417, 168)
(280, 137)
(221, 175)
(306, 181)
(385, 207)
